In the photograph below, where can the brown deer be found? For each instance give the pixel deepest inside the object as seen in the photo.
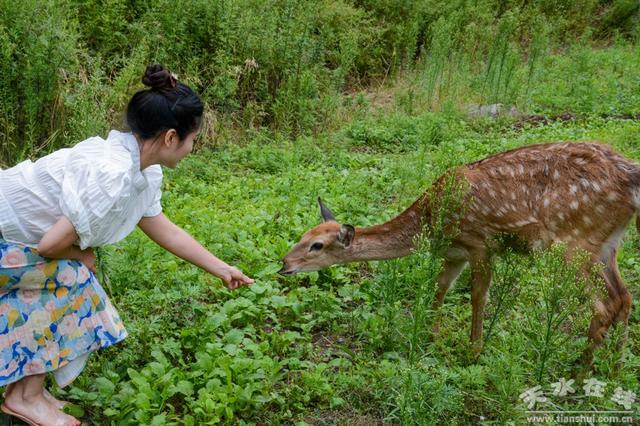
(580, 194)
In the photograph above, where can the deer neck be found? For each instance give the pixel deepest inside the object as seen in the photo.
(392, 239)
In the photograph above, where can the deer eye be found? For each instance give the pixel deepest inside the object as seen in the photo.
(316, 247)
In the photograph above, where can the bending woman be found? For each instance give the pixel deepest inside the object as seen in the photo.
(53, 311)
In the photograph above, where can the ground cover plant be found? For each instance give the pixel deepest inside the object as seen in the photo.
(364, 107)
(337, 346)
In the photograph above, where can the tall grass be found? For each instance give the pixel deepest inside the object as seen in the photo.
(281, 65)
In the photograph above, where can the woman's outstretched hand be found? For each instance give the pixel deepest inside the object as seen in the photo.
(233, 277)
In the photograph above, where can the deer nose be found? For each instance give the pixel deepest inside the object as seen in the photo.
(283, 269)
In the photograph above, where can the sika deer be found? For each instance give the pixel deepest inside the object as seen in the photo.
(581, 194)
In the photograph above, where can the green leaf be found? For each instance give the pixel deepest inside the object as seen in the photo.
(336, 402)
(184, 387)
(74, 410)
(105, 386)
(234, 336)
(159, 420)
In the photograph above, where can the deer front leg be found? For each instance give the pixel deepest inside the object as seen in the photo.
(480, 282)
(446, 278)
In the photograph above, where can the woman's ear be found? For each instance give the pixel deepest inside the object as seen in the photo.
(171, 137)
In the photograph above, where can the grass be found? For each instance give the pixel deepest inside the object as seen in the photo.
(330, 347)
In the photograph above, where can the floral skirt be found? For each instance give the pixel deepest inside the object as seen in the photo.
(53, 314)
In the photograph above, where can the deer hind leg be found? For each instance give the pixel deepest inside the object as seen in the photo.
(615, 307)
(480, 282)
(446, 278)
(623, 297)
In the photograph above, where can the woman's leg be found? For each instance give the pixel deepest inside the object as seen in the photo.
(26, 398)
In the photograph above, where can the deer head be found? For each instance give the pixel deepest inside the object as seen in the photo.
(322, 246)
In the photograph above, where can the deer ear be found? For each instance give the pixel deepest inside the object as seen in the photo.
(326, 214)
(346, 234)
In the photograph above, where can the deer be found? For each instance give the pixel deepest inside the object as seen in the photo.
(580, 194)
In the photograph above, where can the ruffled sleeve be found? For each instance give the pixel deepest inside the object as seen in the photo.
(90, 190)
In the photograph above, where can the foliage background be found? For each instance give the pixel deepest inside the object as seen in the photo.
(363, 103)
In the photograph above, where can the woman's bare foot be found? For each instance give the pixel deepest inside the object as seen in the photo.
(55, 401)
(52, 399)
(36, 408)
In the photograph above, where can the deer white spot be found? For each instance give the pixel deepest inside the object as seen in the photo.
(596, 186)
(585, 183)
(513, 196)
(625, 167)
(546, 202)
(573, 189)
(587, 220)
(612, 196)
(521, 169)
(585, 198)
(492, 193)
(580, 161)
(553, 225)
(575, 231)
(556, 174)
(594, 241)
(561, 216)
(574, 205)
(600, 208)
(635, 198)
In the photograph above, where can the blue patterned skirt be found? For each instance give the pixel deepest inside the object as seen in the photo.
(53, 314)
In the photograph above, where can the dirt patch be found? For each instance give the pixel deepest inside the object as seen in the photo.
(540, 120)
(329, 345)
(344, 417)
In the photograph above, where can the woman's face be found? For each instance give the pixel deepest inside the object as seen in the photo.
(174, 149)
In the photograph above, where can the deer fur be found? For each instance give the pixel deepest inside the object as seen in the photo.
(580, 194)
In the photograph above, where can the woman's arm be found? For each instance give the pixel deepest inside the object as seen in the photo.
(174, 239)
(57, 243)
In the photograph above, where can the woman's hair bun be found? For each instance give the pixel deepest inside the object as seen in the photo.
(159, 78)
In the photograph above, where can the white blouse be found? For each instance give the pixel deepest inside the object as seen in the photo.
(96, 184)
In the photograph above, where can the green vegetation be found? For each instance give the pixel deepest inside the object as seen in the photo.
(364, 103)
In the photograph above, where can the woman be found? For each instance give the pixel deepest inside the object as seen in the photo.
(53, 312)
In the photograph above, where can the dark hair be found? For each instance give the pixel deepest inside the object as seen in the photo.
(168, 104)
